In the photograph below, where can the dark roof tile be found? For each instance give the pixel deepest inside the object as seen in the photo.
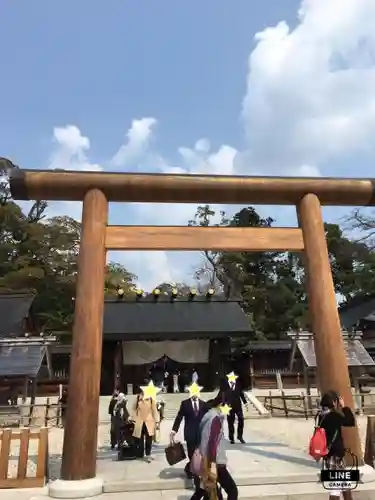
(356, 310)
(21, 360)
(356, 354)
(146, 316)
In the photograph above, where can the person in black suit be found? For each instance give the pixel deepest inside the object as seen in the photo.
(235, 395)
(111, 407)
(191, 411)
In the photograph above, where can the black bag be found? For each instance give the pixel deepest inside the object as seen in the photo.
(175, 453)
(127, 453)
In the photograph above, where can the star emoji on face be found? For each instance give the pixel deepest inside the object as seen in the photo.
(150, 391)
(232, 377)
(194, 390)
(225, 409)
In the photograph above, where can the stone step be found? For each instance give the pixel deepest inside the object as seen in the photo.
(291, 486)
(282, 484)
(180, 483)
(170, 414)
(173, 401)
(296, 491)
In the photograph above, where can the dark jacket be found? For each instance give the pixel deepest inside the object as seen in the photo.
(64, 402)
(111, 406)
(191, 419)
(332, 422)
(234, 396)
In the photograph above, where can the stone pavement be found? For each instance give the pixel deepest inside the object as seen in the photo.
(258, 461)
(273, 463)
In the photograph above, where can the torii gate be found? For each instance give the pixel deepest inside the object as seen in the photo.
(97, 189)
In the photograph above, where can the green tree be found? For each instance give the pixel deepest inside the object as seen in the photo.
(117, 276)
(209, 273)
(40, 256)
(182, 288)
(352, 263)
(270, 284)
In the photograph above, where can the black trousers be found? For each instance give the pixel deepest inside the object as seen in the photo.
(191, 446)
(113, 435)
(225, 480)
(144, 443)
(236, 411)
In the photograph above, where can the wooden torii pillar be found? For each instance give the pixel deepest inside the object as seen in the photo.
(81, 428)
(330, 354)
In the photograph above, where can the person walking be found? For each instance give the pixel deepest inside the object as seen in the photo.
(191, 412)
(63, 403)
(111, 406)
(176, 388)
(146, 422)
(121, 418)
(235, 397)
(212, 450)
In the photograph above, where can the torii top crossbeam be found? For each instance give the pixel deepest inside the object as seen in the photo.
(161, 188)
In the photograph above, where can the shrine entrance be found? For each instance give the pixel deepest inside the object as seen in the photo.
(97, 189)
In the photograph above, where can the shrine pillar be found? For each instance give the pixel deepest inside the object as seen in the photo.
(81, 429)
(332, 367)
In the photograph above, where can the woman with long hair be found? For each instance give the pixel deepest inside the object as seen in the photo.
(146, 422)
(214, 459)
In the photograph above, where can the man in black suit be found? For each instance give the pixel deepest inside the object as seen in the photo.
(236, 397)
(191, 411)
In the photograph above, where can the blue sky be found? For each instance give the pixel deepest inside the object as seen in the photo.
(201, 87)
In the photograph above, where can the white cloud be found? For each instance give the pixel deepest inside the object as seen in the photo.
(309, 103)
(71, 148)
(70, 152)
(155, 267)
(311, 92)
(203, 145)
(137, 142)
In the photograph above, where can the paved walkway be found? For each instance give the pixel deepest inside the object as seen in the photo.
(261, 460)
(264, 460)
(275, 452)
(258, 457)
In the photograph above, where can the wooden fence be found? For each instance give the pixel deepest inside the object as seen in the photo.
(23, 478)
(283, 405)
(302, 405)
(35, 415)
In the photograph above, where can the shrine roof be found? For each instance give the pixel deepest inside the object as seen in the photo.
(359, 309)
(356, 353)
(148, 318)
(21, 360)
(14, 309)
(269, 345)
